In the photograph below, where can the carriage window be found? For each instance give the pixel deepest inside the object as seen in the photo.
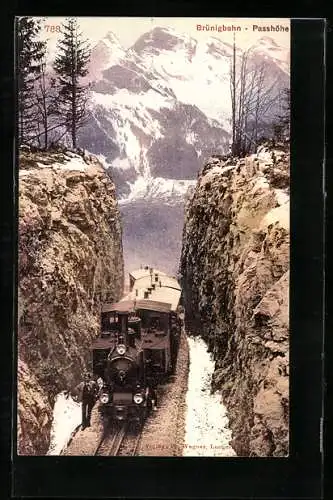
(113, 319)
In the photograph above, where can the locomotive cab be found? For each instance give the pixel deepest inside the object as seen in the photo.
(109, 322)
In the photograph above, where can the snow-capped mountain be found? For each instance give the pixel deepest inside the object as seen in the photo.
(105, 53)
(159, 108)
(269, 49)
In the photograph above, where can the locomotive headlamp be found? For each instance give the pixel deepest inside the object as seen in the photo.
(138, 398)
(104, 398)
(121, 349)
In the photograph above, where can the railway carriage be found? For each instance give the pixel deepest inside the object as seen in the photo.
(138, 344)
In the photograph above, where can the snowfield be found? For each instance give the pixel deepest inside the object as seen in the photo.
(144, 188)
(188, 81)
(206, 433)
(72, 161)
(66, 417)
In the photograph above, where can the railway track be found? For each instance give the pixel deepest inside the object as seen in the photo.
(118, 442)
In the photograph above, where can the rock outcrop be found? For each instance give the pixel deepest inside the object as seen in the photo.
(70, 260)
(235, 276)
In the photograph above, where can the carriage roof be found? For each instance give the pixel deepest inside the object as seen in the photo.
(122, 306)
(166, 281)
(141, 273)
(160, 295)
(129, 305)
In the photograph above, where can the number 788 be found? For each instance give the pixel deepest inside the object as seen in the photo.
(52, 28)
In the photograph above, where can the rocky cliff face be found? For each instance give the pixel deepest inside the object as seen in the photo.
(235, 274)
(70, 259)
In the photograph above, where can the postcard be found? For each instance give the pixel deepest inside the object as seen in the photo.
(153, 250)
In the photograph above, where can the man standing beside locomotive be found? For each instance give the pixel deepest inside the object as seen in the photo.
(87, 392)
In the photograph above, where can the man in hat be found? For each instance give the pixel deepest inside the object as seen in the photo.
(87, 392)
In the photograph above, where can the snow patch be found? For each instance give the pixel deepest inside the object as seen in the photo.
(216, 170)
(278, 215)
(158, 188)
(266, 155)
(66, 417)
(281, 196)
(206, 429)
(72, 162)
(121, 163)
(102, 160)
(260, 184)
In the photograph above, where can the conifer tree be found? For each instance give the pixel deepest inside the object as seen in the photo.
(71, 64)
(46, 104)
(29, 55)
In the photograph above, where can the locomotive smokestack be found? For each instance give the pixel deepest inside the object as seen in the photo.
(124, 326)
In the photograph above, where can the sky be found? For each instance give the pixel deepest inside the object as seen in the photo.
(129, 29)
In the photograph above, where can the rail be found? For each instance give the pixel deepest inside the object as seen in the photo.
(119, 442)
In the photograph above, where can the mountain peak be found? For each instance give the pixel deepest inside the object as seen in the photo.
(107, 52)
(111, 37)
(267, 40)
(160, 37)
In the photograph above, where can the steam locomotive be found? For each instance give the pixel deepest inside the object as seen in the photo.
(138, 344)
